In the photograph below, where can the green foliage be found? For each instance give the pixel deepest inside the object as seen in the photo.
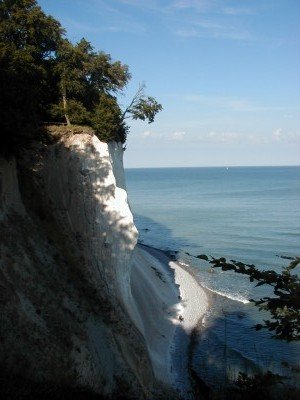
(89, 79)
(44, 77)
(28, 39)
(146, 109)
(84, 75)
(69, 65)
(107, 120)
(142, 107)
(284, 307)
(106, 76)
(76, 111)
(26, 31)
(259, 386)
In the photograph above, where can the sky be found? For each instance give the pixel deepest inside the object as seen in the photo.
(226, 73)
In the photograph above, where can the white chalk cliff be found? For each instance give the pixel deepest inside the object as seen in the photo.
(66, 239)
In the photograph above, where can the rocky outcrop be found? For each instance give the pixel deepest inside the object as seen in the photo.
(66, 237)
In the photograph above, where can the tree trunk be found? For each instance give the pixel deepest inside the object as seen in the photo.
(64, 99)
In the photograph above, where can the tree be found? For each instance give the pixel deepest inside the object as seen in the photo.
(69, 67)
(45, 77)
(84, 76)
(142, 107)
(107, 120)
(28, 41)
(285, 307)
(88, 85)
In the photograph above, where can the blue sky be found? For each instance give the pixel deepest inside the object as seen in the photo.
(226, 73)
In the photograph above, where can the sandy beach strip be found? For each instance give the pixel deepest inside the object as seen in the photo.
(170, 303)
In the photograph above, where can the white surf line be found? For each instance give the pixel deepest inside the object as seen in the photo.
(193, 305)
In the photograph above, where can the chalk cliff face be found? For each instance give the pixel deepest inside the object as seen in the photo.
(66, 237)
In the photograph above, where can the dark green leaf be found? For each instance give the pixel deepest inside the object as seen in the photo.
(203, 257)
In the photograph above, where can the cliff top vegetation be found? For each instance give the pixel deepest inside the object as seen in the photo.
(44, 77)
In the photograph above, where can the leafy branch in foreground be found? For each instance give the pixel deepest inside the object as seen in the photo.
(258, 386)
(285, 307)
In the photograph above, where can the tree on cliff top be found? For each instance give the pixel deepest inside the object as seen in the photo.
(88, 84)
(83, 76)
(28, 41)
(45, 77)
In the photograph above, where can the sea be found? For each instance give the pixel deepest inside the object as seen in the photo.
(250, 214)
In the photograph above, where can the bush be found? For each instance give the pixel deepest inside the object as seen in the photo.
(107, 120)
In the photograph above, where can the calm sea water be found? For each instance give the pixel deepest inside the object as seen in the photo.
(250, 214)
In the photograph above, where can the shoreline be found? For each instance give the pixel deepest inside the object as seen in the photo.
(171, 255)
(179, 309)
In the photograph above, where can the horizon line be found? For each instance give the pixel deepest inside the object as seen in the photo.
(219, 166)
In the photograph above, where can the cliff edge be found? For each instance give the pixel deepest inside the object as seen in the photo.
(66, 240)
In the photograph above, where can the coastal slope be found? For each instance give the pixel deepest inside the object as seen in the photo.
(66, 241)
(81, 304)
(171, 304)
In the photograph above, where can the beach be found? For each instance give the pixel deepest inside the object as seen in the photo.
(170, 303)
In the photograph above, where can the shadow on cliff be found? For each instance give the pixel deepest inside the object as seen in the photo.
(69, 189)
(16, 387)
(54, 277)
(60, 275)
(157, 235)
(60, 270)
(188, 384)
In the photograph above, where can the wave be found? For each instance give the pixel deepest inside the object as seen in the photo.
(184, 264)
(230, 296)
(235, 297)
